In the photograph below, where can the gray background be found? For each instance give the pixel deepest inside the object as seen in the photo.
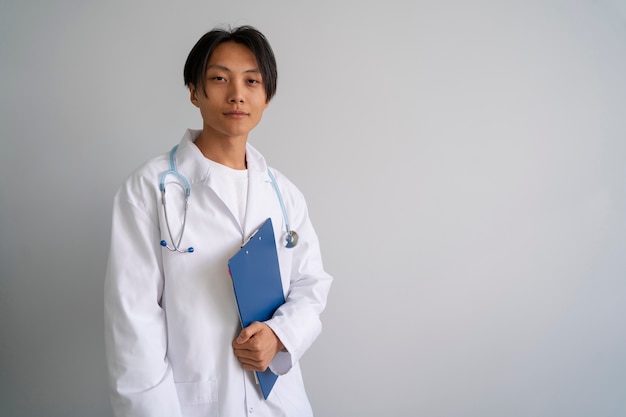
(464, 163)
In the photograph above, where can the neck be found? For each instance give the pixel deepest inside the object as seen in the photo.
(230, 152)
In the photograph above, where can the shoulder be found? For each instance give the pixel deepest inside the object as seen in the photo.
(142, 186)
(290, 192)
(283, 180)
(145, 179)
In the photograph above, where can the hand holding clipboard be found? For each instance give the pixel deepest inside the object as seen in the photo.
(255, 273)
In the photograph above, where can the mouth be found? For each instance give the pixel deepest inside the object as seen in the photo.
(236, 114)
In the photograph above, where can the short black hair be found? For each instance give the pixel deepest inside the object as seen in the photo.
(195, 66)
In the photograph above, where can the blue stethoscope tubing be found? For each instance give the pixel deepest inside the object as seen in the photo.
(185, 184)
(291, 238)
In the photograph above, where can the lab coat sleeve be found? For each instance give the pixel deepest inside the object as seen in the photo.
(141, 378)
(297, 322)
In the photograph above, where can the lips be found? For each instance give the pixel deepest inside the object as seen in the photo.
(237, 114)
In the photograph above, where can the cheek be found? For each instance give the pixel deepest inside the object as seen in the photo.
(207, 109)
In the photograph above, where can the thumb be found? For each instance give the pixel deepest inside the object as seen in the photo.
(249, 331)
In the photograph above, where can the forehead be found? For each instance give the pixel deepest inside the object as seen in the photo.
(233, 56)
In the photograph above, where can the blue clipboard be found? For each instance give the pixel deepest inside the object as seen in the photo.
(258, 287)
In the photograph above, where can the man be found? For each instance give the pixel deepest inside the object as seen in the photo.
(174, 343)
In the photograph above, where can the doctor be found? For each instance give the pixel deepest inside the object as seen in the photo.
(173, 339)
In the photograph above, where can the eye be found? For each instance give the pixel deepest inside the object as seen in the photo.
(253, 81)
(218, 78)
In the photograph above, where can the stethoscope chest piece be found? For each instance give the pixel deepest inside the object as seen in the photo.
(292, 239)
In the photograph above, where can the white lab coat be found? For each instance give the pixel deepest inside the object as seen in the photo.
(170, 318)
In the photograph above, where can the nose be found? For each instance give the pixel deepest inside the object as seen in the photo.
(235, 93)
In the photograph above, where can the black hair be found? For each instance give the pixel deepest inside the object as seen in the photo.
(195, 66)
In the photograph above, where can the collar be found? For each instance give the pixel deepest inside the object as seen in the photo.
(195, 166)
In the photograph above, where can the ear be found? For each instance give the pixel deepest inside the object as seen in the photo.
(193, 95)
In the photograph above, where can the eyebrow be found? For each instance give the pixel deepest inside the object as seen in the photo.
(222, 67)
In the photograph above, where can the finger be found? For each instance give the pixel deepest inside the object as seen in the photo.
(253, 364)
(249, 331)
(247, 354)
(252, 355)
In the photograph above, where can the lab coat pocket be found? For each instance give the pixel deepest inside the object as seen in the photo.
(198, 399)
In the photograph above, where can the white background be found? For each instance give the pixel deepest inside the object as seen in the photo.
(464, 163)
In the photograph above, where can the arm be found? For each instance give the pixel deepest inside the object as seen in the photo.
(282, 340)
(135, 331)
(297, 323)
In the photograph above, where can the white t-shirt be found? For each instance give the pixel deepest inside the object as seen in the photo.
(232, 186)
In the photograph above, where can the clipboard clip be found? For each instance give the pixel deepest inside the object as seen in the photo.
(251, 237)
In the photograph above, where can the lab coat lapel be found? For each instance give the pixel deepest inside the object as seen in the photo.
(214, 183)
(197, 169)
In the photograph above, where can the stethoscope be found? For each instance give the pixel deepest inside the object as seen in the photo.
(291, 238)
